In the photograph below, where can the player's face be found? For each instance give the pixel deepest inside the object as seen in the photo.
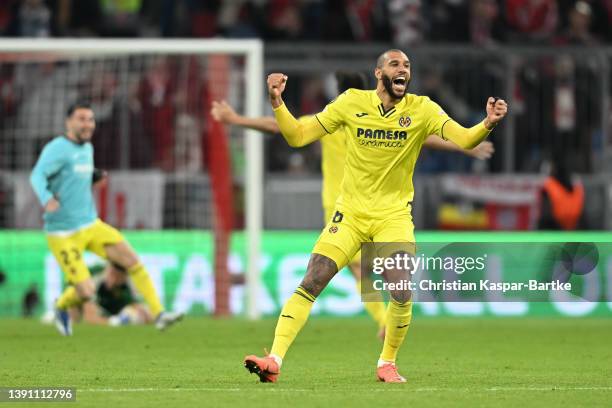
(395, 74)
(81, 124)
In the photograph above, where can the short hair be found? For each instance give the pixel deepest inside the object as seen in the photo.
(77, 105)
(349, 79)
(380, 61)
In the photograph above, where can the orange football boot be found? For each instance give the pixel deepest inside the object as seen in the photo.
(388, 373)
(265, 367)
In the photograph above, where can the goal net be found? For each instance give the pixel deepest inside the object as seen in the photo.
(180, 185)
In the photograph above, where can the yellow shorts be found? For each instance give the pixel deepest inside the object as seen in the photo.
(341, 238)
(68, 250)
(329, 213)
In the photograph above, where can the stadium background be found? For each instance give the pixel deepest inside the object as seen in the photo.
(170, 165)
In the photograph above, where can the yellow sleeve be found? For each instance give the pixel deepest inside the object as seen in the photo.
(435, 117)
(466, 138)
(298, 132)
(439, 123)
(332, 117)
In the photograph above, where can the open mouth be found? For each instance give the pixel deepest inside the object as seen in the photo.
(399, 84)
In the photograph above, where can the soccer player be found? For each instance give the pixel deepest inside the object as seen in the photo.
(115, 302)
(62, 180)
(385, 129)
(333, 152)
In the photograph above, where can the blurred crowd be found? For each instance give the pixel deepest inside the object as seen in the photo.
(156, 108)
(556, 103)
(403, 22)
(149, 109)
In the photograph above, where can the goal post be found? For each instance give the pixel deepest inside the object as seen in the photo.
(254, 181)
(250, 53)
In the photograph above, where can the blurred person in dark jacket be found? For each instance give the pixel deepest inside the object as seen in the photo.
(31, 300)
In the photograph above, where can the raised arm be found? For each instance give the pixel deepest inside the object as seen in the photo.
(296, 132)
(224, 113)
(483, 151)
(468, 138)
(47, 165)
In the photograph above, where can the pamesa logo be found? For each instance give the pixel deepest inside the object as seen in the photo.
(381, 134)
(381, 138)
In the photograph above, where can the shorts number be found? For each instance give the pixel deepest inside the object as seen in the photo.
(338, 217)
(66, 256)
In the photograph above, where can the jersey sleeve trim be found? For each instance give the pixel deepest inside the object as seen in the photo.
(328, 132)
(442, 129)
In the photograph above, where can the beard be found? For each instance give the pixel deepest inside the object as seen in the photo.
(388, 84)
(82, 137)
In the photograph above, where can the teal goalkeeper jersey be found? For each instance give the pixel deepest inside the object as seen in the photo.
(64, 170)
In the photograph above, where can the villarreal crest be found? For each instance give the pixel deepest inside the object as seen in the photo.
(405, 121)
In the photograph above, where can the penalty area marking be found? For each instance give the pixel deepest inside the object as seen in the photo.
(407, 388)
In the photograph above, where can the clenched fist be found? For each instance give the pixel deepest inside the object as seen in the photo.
(276, 86)
(496, 110)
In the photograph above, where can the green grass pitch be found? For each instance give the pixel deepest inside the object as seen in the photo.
(448, 362)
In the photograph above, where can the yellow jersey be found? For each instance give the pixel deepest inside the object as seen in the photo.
(333, 155)
(381, 147)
